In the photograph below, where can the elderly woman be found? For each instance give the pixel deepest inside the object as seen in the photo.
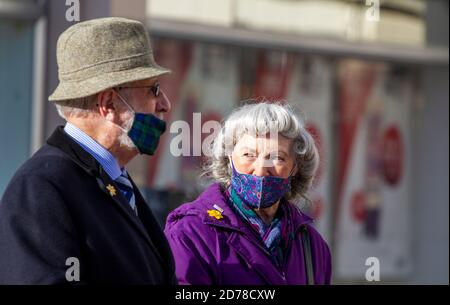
(245, 228)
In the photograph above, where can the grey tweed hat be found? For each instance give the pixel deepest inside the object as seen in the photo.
(102, 53)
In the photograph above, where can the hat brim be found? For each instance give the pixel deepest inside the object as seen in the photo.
(68, 90)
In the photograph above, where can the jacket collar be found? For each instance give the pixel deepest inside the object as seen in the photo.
(74, 151)
(104, 157)
(214, 195)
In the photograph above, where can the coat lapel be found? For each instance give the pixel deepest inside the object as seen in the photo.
(110, 188)
(88, 163)
(151, 226)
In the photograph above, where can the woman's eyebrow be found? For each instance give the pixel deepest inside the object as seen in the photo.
(279, 152)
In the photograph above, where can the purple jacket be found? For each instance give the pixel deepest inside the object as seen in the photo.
(225, 252)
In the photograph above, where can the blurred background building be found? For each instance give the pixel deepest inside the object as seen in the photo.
(370, 77)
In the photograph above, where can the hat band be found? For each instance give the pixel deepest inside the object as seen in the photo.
(113, 65)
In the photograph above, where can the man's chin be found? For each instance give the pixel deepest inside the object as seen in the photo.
(126, 142)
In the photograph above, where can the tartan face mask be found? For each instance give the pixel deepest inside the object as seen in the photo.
(145, 130)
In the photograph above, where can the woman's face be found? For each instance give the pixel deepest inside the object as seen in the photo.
(264, 156)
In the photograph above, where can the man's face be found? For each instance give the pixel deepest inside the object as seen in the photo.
(143, 96)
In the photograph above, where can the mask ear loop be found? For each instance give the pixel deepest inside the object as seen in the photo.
(125, 102)
(232, 166)
(293, 169)
(129, 107)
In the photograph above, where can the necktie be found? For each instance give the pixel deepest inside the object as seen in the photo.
(126, 188)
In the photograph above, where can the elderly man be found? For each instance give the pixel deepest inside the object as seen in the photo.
(71, 213)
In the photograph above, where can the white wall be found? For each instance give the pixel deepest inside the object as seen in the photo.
(431, 204)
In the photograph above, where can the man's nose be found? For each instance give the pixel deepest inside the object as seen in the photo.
(163, 104)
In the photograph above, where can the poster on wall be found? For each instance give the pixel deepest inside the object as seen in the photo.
(175, 56)
(272, 74)
(373, 215)
(205, 92)
(306, 84)
(310, 91)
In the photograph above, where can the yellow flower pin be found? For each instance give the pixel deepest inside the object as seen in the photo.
(216, 214)
(112, 190)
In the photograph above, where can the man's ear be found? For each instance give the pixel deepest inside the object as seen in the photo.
(105, 104)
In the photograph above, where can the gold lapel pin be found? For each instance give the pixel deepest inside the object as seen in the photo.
(112, 190)
(214, 213)
(217, 213)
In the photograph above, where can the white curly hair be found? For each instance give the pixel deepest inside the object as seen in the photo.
(261, 119)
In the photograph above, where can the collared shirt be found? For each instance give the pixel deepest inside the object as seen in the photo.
(101, 154)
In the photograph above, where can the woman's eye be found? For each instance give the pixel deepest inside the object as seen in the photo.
(278, 159)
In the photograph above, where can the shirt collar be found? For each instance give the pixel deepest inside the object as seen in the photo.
(101, 154)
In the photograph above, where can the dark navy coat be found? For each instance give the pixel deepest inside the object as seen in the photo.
(61, 204)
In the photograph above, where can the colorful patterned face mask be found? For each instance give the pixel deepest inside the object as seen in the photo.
(260, 191)
(145, 131)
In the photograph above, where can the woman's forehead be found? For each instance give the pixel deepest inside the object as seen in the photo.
(262, 143)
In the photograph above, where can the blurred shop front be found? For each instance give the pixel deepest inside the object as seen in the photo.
(20, 51)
